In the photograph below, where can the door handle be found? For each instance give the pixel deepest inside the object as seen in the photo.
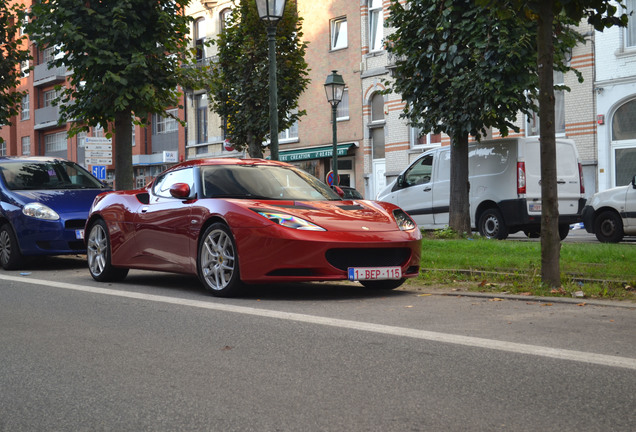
(560, 181)
(427, 189)
(144, 209)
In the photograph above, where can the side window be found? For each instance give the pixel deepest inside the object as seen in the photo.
(420, 172)
(164, 182)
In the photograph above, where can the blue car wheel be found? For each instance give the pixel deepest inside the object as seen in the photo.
(10, 255)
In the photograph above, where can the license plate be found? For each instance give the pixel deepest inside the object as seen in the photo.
(79, 234)
(374, 273)
(535, 207)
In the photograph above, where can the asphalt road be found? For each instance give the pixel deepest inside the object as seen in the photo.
(157, 353)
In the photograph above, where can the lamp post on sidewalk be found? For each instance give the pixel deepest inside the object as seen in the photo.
(271, 11)
(334, 88)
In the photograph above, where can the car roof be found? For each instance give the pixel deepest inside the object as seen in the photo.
(230, 161)
(30, 159)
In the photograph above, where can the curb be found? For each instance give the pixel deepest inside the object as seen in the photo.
(516, 297)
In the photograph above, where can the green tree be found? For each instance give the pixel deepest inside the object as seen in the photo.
(14, 51)
(550, 18)
(128, 58)
(239, 79)
(460, 71)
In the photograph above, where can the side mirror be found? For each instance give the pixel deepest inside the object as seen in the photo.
(338, 190)
(634, 182)
(180, 190)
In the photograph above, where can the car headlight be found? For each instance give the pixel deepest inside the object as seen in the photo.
(40, 211)
(289, 221)
(404, 221)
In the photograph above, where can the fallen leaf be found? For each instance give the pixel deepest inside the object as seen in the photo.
(226, 348)
(496, 299)
(546, 304)
(410, 306)
(424, 295)
(582, 304)
(525, 294)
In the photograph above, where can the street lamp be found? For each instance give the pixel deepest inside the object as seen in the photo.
(271, 11)
(334, 88)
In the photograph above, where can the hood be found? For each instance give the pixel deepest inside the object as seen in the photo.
(615, 195)
(62, 201)
(346, 216)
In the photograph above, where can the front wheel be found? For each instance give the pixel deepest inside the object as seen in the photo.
(10, 255)
(491, 225)
(217, 261)
(99, 255)
(383, 284)
(608, 227)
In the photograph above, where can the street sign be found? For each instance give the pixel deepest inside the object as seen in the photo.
(99, 171)
(98, 151)
(98, 161)
(330, 178)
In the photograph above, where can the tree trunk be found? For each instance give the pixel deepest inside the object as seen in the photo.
(459, 211)
(254, 148)
(123, 151)
(550, 241)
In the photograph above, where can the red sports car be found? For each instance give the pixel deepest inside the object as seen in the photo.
(236, 221)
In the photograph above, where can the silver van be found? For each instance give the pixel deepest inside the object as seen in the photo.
(505, 187)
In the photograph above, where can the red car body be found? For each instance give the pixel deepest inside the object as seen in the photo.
(152, 232)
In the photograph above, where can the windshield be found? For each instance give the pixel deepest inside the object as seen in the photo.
(47, 175)
(263, 182)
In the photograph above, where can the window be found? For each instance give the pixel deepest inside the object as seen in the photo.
(201, 104)
(55, 142)
(419, 173)
(224, 18)
(48, 55)
(559, 110)
(630, 30)
(624, 143)
(26, 146)
(376, 25)
(342, 111)
(199, 38)
(24, 68)
(26, 107)
(338, 33)
(163, 183)
(164, 125)
(50, 96)
(98, 131)
(25, 21)
(421, 139)
(289, 134)
(3, 148)
(377, 107)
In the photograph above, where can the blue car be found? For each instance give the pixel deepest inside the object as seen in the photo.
(44, 204)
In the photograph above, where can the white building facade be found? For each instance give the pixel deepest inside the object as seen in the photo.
(615, 87)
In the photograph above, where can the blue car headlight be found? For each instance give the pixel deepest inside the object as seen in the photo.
(40, 211)
(289, 221)
(404, 221)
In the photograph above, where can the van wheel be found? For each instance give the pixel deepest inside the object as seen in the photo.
(491, 225)
(532, 232)
(564, 230)
(608, 227)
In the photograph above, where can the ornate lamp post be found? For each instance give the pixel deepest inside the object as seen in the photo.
(334, 88)
(271, 11)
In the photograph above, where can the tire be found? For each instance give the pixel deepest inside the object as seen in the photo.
(217, 262)
(383, 284)
(491, 225)
(608, 227)
(564, 230)
(98, 253)
(10, 255)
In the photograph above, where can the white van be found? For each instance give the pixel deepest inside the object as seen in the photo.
(505, 187)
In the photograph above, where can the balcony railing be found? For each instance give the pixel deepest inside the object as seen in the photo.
(46, 117)
(42, 75)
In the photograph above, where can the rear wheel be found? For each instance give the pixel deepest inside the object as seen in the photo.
(217, 261)
(10, 255)
(608, 227)
(564, 230)
(98, 253)
(491, 225)
(383, 284)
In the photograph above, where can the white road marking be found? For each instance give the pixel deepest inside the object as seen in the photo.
(517, 348)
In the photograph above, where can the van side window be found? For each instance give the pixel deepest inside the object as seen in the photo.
(420, 172)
